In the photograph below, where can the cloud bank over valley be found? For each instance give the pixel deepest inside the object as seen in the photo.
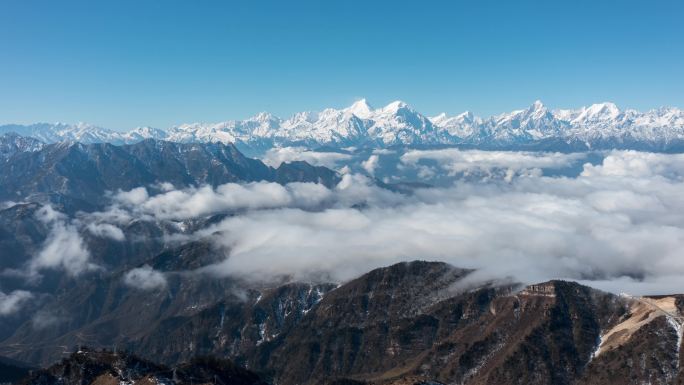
(617, 224)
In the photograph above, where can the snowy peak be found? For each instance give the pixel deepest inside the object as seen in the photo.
(399, 124)
(443, 119)
(599, 112)
(394, 107)
(530, 124)
(439, 119)
(264, 117)
(460, 126)
(537, 105)
(605, 109)
(142, 133)
(601, 124)
(466, 116)
(361, 109)
(537, 110)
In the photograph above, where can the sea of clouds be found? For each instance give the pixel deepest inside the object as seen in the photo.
(617, 225)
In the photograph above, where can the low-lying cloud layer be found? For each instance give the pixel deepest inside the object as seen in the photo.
(452, 162)
(196, 202)
(276, 156)
(619, 225)
(455, 161)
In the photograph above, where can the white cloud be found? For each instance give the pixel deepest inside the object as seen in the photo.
(619, 223)
(145, 278)
(275, 156)
(455, 161)
(383, 151)
(106, 230)
(205, 200)
(47, 215)
(592, 227)
(634, 164)
(135, 196)
(196, 202)
(165, 186)
(63, 249)
(12, 302)
(116, 214)
(371, 164)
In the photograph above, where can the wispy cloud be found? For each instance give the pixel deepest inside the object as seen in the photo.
(12, 302)
(276, 156)
(64, 247)
(454, 161)
(145, 278)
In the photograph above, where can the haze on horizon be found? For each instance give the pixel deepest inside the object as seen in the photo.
(125, 64)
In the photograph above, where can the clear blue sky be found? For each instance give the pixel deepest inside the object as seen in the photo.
(122, 63)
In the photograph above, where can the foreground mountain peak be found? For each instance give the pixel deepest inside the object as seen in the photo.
(414, 322)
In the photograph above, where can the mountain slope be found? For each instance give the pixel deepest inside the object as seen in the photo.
(406, 323)
(371, 332)
(11, 144)
(419, 321)
(80, 174)
(190, 314)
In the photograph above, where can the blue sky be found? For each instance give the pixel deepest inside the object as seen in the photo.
(122, 63)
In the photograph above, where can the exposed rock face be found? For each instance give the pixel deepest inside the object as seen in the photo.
(109, 368)
(644, 347)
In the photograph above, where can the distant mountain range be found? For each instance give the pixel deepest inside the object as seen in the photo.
(598, 126)
(77, 175)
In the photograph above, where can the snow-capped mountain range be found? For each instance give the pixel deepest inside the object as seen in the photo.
(601, 125)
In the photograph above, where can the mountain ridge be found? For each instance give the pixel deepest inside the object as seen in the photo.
(419, 320)
(598, 126)
(84, 173)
